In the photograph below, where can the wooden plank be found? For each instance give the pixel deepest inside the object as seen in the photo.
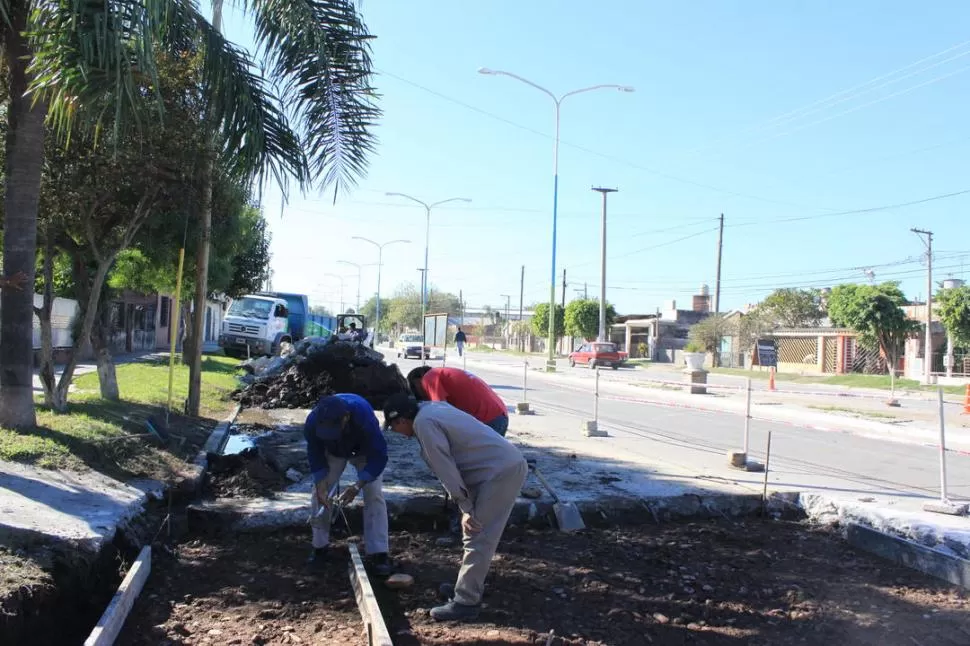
(109, 626)
(912, 555)
(370, 612)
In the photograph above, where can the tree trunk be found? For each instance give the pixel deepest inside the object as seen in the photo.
(43, 313)
(107, 376)
(201, 290)
(90, 315)
(186, 335)
(25, 157)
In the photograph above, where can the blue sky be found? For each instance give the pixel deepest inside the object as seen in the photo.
(783, 116)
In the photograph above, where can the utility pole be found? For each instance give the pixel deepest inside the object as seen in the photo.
(602, 336)
(563, 303)
(461, 309)
(717, 289)
(717, 280)
(508, 300)
(928, 350)
(521, 296)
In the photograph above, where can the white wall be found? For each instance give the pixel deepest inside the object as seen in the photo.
(62, 312)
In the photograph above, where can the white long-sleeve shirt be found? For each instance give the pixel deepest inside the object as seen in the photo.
(461, 451)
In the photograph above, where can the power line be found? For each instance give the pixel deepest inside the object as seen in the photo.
(844, 95)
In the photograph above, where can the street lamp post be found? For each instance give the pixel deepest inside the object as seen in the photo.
(354, 264)
(380, 261)
(427, 236)
(341, 279)
(551, 362)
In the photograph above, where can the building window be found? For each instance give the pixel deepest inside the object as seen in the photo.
(165, 314)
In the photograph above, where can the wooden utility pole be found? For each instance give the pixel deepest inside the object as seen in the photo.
(716, 359)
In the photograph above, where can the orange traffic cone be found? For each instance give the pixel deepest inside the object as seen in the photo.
(771, 380)
(966, 401)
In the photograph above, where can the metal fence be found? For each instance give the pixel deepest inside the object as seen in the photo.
(961, 363)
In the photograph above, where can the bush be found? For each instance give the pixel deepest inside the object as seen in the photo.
(694, 346)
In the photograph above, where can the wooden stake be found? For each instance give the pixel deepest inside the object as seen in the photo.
(764, 492)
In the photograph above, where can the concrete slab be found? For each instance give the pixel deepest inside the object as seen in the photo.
(73, 512)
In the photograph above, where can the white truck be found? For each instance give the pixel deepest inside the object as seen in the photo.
(254, 326)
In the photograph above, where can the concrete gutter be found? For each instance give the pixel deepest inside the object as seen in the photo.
(214, 444)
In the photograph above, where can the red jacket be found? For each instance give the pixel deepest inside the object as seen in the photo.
(465, 392)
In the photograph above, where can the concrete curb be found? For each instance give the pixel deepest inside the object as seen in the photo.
(214, 444)
(425, 508)
(904, 552)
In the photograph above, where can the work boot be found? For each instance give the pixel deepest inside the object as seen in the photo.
(318, 557)
(454, 611)
(446, 591)
(380, 564)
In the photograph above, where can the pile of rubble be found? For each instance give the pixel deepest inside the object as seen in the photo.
(316, 367)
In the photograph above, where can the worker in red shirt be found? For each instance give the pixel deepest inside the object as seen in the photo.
(462, 390)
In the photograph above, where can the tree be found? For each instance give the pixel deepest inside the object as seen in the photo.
(404, 309)
(320, 310)
(709, 332)
(583, 318)
(876, 313)
(80, 63)
(540, 321)
(954, 309)
(94, 204)
(752, 326)
(794, 307)
(369, 309)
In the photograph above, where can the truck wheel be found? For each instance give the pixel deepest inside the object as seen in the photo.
(615, 367)
(572, 364)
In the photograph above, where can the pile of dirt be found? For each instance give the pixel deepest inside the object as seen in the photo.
(318, 367)
(751, 582)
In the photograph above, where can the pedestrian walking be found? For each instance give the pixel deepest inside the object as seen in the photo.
(343, 428)
(460, 341)
(480, 470)
(462, 390)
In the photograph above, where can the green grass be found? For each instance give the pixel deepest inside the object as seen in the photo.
(881, 382)
(112, 437)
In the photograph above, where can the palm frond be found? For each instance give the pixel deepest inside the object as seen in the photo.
(95, 60)
(319, 53)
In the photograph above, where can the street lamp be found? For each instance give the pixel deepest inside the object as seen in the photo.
(427, 235)
(551, 363)
(380, 260)
(341, 279)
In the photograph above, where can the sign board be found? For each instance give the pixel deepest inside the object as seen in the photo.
(436, 333)
(767, 353)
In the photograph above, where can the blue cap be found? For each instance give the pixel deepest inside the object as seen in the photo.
(330, 411)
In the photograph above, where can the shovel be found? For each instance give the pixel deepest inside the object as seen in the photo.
(567, 514)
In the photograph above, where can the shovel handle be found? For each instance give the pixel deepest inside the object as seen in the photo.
(545, 483)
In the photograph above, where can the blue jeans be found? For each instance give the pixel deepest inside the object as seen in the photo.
(500, 424)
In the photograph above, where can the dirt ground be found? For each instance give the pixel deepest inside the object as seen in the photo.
(749, 582)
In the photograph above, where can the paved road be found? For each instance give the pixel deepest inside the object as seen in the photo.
(801, 458)
(917, 407)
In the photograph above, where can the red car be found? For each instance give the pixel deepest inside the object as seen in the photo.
(598, 354)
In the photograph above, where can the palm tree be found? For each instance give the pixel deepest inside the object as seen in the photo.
(72, 61)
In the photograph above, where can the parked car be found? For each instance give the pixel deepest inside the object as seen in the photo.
(598, 354)
(410, 345)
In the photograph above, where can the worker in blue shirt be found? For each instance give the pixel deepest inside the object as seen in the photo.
(342, 428)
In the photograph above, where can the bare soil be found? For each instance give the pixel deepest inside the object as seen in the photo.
(752, 582)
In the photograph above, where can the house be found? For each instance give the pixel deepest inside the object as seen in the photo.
(660, 336)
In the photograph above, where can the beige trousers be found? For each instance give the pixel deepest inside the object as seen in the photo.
(493, 502)
(375, 509)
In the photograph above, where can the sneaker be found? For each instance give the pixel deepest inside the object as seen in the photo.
(380, 563)
(318, 557)
(454, 611)
(446, 591)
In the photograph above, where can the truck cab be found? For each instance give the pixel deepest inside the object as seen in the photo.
(254, 325)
